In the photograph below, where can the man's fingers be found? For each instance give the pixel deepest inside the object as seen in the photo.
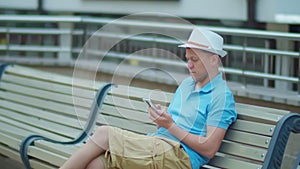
(153, 114)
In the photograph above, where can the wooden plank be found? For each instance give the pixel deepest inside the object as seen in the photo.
(228, 162)
(9, 141)
(52, 77)
(13, 131)
(138, 93)
(260, 114)
(131, 125)
(34, 130)
(41, 124)
(243, 151)
(125, 103)
(43, 104)
(251, 115)
(253, 127)
(35, 73)
(49, 86)
(40, 165)
(248, 138)
(42, 94)
(64, 150)
(40, 113)
(47, 156)
(126, 114)
(262, 109)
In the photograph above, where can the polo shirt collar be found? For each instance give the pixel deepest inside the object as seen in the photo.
(210, 85)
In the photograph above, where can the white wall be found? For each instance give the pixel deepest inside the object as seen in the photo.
(19, 4)
(212, 9)
(278, 11)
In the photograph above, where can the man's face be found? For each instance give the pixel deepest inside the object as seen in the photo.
(199, 63)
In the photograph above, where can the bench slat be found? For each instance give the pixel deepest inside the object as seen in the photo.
(35, 73)
(126, 103)
(248, 138)
(41, 165)
(42, 94)
(9, 141)
(253, 127)
(41, 114)
(13, 131)
(126, 114)
(32, 124)
(243, 151)
(138, 93)
(243, 106)
(226, 162)
(49, 86)
(50, 157)
(64, 150)
(32, 129)
(41, 124)
(258, 116)
(43, 104)
(134, 126)
(51, 77)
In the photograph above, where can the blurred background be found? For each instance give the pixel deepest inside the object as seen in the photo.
(138, 39)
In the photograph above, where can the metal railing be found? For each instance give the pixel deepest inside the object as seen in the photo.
(255, 57)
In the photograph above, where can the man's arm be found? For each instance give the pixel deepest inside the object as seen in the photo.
(206, 146)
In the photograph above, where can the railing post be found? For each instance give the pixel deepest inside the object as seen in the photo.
(299, 73)
(7, 39)
(65, 55)
(244, 60)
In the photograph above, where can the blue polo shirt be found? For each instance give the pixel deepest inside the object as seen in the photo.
(194, 110)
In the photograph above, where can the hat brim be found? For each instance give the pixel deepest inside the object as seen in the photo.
(221, 53)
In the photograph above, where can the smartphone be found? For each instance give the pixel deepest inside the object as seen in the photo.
(150, 104)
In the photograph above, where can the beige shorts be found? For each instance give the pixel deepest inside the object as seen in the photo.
(128, 150)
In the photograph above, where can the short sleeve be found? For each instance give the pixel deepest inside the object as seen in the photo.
(222, 112)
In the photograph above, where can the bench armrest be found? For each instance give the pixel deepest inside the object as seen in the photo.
(96, 106)
(3, 67)
(289, 123)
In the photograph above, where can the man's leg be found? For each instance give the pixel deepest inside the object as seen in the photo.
(95, 146)
(97, 163)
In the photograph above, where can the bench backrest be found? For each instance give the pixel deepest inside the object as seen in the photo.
(43, 103)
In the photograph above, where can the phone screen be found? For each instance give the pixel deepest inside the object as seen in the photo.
(150, 104)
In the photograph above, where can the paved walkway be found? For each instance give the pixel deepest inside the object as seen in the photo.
(6, 163)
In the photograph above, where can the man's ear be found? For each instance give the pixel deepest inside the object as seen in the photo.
(215, 59)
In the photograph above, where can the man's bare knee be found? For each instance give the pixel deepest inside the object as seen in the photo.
(100, 137)
(101, 131)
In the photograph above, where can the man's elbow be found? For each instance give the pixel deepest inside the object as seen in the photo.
(210, 153)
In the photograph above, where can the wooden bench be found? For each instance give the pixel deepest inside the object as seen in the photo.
(42, 103)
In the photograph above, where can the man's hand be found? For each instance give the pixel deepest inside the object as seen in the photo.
(160, 117)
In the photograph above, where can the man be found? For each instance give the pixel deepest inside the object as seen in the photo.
(189, 133)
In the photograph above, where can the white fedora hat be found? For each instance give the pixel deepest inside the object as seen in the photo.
(205, 40)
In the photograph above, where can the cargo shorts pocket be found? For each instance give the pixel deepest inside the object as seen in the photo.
(134, 151)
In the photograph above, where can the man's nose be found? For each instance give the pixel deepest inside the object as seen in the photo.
(190, 65)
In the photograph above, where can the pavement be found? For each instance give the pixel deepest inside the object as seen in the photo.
(6, 163)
